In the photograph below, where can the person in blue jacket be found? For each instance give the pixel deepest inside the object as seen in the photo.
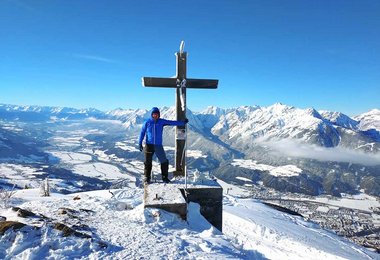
(152, 129)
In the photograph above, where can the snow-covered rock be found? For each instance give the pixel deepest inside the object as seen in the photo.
(369, 120)
(276, 122)
(340, 119)
(129, 117)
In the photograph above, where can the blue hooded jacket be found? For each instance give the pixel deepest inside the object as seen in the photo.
(153, 128)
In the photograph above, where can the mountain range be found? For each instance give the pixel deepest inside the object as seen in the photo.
(329, 152)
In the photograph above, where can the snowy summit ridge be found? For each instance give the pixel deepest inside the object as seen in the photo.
(239, 125)
(369, 120)
(115, 225)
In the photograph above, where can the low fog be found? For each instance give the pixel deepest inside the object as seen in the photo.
(294, 148)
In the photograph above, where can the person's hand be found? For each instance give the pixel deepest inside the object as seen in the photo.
(186, 120)
(141, 148)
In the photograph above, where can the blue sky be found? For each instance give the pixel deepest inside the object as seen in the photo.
(321, 54)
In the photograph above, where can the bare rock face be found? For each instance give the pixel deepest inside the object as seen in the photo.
(68, 231)
(23, 213)
(5, 225)
(67, 211)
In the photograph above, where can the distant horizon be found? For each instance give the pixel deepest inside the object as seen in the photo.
(169, 106)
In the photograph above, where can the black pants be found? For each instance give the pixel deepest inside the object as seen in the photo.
(149, 151)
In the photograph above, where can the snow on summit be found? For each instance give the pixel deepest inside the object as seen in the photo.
(369, 120)
(113, 224)
(276, 121)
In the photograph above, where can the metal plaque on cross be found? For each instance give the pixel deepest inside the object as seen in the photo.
(180, 83)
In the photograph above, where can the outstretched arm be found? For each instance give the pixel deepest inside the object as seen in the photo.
(175, 122)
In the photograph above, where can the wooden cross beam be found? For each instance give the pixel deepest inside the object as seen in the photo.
(181, 83)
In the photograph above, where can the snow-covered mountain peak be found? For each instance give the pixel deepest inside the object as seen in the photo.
(314, 113)
(245, 111)
(374, 111)
(277, 121)
(339, 119)
(120, 112)
(234, 125)
(287, 114)
(89, 110)
(31, 113)
(213, 110)
(279, 108)
(169, 113)
(369, 120)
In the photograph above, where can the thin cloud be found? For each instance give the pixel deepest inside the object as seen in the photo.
(95, 58)
(296, 149)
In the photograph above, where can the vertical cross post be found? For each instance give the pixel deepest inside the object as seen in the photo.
(180, 162)
(181, 83)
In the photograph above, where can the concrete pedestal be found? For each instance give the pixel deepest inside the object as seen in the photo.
(210, 198)
(172, 197)
(165, 196)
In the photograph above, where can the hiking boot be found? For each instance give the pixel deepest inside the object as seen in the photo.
(164, 171)
(166, 180)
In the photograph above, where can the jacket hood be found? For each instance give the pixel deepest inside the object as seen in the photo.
(154, 110)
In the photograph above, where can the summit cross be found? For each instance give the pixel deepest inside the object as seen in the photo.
(180, 83)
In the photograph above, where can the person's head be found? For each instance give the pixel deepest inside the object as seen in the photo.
(155, 113)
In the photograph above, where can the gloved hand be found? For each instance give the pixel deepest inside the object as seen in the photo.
(186, 120)
(141, 148)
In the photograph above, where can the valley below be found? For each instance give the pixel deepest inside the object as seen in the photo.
(100, 152)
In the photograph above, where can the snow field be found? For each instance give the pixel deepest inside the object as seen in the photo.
(126, 146)
(99, 170)
(196, 154)
(20, 175)
(280, 236)
(120, 228)
(81, 164)
(67, 141)
(71, 157)
(360, 202)
(137, 233)
(285, 170)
